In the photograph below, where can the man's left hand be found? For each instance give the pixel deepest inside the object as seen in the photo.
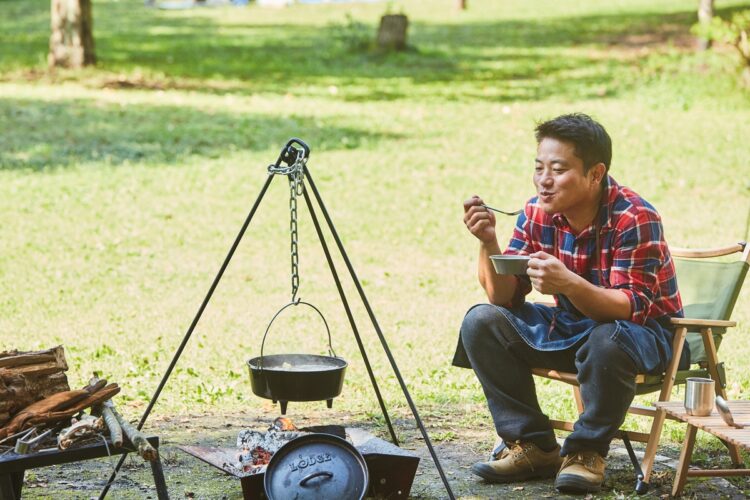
(548, 275)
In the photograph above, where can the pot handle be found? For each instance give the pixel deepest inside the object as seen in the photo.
(294, 303)
(310, 477)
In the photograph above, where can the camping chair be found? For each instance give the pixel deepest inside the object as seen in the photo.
(709, 290)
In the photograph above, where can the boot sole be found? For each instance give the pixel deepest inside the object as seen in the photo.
(488, 474)
(571, 483)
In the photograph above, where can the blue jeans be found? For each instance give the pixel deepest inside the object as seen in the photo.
(502, 361)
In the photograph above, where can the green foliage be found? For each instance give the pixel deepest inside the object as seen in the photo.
(353, 35)
(735, 31)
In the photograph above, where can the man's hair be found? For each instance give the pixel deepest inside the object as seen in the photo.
(589, 138)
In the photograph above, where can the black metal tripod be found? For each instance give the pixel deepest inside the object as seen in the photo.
(295, 154)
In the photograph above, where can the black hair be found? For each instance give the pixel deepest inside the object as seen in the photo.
(589, 138)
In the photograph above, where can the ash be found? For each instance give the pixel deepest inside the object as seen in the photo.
(270, 441)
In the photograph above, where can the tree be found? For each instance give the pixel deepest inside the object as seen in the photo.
(71, 44)
(705, 14)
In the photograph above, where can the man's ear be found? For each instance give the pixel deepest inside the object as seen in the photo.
(598, 172)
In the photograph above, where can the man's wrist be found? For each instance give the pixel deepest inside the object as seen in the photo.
(576, 285)
(490, 247)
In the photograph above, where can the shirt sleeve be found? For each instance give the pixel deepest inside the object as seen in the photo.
(638, 255)
(520, 242)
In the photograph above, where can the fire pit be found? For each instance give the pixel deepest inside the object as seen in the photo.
(391, 469)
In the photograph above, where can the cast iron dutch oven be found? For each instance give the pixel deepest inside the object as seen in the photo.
(316, 466)
(297, 377)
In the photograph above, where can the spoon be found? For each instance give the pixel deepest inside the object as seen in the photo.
(502, 211)
(726, 414)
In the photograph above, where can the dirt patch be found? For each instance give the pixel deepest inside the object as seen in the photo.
(672, 35)
(187, 477)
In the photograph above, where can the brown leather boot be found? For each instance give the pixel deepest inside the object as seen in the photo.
(581, 472)
(518, 462)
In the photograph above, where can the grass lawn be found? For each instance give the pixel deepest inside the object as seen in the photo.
(122, 187)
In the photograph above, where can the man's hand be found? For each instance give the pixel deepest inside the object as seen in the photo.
(479, 221)
(548, 275)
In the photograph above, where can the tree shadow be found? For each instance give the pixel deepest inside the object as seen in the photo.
(510, 59)
(47, 134)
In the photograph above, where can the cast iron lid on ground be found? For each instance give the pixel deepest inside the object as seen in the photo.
(316, 466)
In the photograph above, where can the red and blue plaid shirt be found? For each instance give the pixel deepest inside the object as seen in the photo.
(634, 256)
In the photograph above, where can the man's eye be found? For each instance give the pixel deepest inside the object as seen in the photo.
(558, 170)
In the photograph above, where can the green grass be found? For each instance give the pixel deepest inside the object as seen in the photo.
(122, 187)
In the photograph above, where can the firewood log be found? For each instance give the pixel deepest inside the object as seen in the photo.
(56, 408)
(137, 438)
(115, 430)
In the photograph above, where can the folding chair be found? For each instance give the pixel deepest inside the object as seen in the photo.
(709, 289)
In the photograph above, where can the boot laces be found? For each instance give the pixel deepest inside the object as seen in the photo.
(587, 459)
(518, 451)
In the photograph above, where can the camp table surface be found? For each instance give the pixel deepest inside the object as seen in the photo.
(713, 424)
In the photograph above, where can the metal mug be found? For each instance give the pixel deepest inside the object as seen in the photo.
(699, 396)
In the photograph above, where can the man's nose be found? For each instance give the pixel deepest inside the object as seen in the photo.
(545, 179)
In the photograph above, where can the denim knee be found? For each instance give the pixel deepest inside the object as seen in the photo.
(477, 324)
(603, 347)
(487, 324)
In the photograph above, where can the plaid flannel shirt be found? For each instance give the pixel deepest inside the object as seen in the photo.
(634, 255)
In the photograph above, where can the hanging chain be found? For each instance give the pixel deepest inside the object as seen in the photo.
(295, 174)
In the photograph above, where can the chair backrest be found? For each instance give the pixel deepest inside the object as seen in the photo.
(709, 288)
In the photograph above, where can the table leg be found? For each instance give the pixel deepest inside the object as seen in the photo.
(161, 484)
(685, 457)
(11, 485)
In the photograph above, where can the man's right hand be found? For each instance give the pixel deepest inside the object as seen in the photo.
(479, 221)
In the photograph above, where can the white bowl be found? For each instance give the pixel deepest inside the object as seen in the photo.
(510, 264)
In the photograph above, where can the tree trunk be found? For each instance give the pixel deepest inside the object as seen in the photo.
(392, 32)
(27, 377)
(705, 14)
(461, 4)
(71, 44)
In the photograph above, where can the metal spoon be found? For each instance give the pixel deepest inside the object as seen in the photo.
(726, 414)
(502, 211)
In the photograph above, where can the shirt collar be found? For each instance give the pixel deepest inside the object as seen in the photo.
(605, 210)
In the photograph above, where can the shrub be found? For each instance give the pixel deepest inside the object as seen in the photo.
(735, 32)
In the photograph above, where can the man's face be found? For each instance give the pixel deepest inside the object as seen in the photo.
(559, 179)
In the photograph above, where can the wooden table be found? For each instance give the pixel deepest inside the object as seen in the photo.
(712, 424)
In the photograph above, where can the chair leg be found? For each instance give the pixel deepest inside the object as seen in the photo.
(653, 443)
(666, 391)
(713, 362)
(640, 486)
(685, 456)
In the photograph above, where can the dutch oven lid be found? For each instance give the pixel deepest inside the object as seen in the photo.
(319, 466)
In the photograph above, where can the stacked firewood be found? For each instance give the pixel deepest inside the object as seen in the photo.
(27, 377)
(36, 402)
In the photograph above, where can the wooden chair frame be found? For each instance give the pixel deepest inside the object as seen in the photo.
(668, 378)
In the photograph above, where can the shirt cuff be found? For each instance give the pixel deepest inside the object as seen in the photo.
(637, 306)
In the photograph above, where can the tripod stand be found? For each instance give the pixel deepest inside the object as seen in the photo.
(294, 156)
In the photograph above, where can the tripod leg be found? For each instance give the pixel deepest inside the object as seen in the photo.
(379, 332)
(349, 315)
(185, 339)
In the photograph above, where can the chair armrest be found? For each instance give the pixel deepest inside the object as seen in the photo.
(702, 253)
(705, 323)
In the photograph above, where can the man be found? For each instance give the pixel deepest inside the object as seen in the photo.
(599, 249)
